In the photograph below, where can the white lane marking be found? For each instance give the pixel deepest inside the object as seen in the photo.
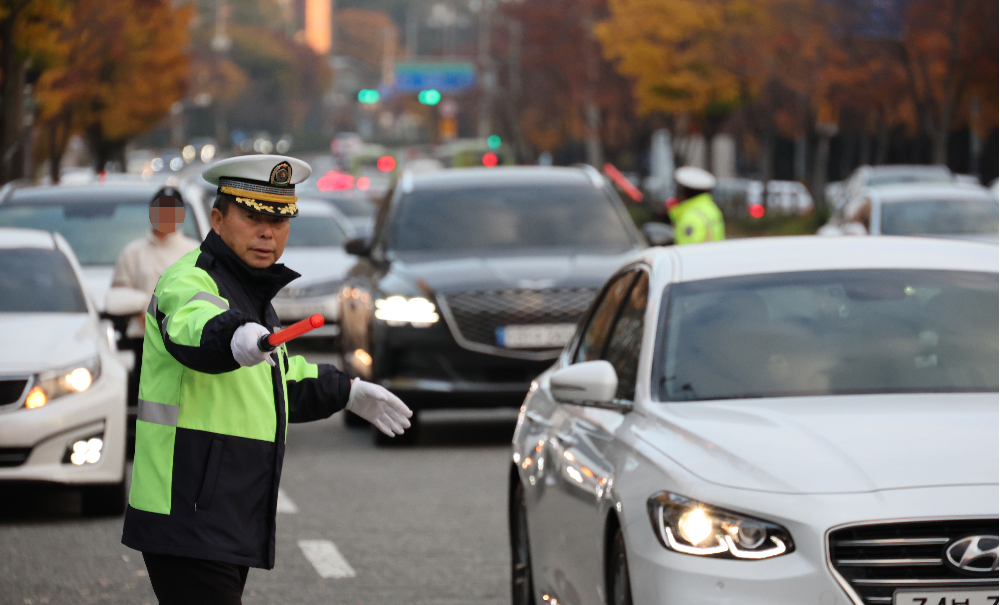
(285, 504)
(327, 560)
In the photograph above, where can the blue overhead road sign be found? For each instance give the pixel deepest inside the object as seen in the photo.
(446, 77)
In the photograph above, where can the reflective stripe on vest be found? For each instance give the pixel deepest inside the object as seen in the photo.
(158, 413)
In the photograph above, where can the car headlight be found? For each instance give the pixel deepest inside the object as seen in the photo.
(398, 310)
(695, 528)
(53, 384)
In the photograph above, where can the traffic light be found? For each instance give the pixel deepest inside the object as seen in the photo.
(368, 96)
(493, 141)
(490, 159)
(429, 97)
(386, 163)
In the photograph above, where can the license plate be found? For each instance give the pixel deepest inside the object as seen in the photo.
(946, 597)
(535, 336)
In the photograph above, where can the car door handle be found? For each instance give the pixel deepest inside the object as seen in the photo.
(538, 418)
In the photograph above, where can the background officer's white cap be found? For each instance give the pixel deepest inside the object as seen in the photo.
(262, 183)
(691, 177)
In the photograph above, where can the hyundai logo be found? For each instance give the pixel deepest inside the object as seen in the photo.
(974, 553)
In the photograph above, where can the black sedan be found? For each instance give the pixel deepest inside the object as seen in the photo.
(474, 280)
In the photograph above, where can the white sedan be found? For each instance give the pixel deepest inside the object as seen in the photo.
(62, 387)
(759, 422)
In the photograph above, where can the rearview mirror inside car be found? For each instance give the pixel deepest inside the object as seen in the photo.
(125, 301)
(358, 247)
(590, 382)
(658, 234)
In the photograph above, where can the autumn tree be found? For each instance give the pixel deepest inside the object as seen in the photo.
(125, 68)
(29, 44)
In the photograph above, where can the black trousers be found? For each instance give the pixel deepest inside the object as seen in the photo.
(184, 581)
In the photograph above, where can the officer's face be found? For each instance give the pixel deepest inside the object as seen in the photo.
(258, 239)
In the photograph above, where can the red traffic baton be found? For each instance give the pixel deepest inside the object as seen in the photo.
(271, 341)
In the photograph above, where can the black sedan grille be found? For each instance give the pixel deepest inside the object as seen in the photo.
(477, 315)
(11, 390)
(877, 560)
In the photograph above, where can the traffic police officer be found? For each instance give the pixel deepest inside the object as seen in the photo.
(695, 217)
(214, 407)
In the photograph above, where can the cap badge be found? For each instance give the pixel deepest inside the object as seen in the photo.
(281, 174)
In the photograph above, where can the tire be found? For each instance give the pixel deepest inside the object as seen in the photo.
(616, 572)
(353, 421)
(104, 500)
(409, 436)
(522, 588)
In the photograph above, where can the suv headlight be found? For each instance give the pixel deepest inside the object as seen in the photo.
(398, 310)
(53, 384)
(695, 528)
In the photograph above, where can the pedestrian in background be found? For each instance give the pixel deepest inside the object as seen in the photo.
(693, 212)
(214, 406)
(142, 261)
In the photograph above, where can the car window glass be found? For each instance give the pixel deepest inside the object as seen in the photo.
(830, 333)
(97, 231)
(595, 335)
(316, 231)
(622, 350)
(34, 280)
(941, 217)
(508, 217)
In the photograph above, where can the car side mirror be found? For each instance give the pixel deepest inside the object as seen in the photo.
(590, 382)
(358, 247)
(125, 301)
(658, 234)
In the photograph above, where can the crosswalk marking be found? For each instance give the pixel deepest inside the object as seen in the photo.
(327, 560)
(285, 504)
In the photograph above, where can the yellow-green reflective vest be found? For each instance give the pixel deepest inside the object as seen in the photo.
(697, 219)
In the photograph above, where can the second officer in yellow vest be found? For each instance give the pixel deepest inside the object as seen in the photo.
(695, 217)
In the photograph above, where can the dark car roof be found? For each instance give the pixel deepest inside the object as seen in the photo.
(502, 176)
(97, 193)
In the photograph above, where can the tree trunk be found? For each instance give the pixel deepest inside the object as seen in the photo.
(766, 159)
(939, 141)
(11, 103)
(820, 166)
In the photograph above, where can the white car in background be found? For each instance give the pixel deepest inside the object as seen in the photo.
(954, 211)
(769, 421)
(62, 386)
(97, 219)
(315, 249)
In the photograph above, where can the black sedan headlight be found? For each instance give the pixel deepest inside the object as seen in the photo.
(694, 528)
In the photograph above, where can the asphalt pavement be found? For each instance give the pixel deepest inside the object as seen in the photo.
(357, 524)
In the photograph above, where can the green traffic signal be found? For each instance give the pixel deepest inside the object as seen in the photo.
(429, 97)
(368, 96)
(493, 141)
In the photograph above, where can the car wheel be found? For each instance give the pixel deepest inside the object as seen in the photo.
(104, 500)
(409, 436)
(353, 421)
(522, 588)
(619, 587)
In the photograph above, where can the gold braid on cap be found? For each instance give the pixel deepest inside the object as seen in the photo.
(264, 197)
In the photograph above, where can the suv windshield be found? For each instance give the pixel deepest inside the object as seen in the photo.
(33, 280)
(508, 218)
(941, 217)
(830, 333)
(97, 231)
(318, 231)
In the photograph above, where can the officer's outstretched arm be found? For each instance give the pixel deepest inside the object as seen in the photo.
(192, 321)
(315, 391)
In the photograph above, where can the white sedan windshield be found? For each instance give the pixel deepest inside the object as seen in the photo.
(34, 280)
(941, 217)
(830, 332)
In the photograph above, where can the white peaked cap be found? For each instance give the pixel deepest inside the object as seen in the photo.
(256, 168)
(691, 177)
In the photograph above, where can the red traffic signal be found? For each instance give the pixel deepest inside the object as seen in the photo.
(386, 163)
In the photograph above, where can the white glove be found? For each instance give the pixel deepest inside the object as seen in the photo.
(244, 345)
(379, 407)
